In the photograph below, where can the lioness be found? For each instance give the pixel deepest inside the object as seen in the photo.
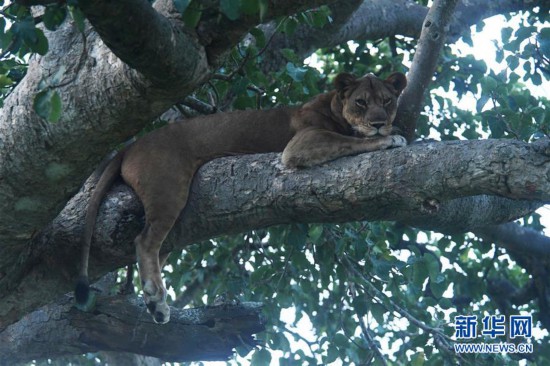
(356, 117)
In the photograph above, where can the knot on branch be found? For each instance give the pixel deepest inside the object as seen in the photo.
(430, 206)
(542, 146)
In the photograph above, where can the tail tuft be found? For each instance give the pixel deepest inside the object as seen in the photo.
(82, 291)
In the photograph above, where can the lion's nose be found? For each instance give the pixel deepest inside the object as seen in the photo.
(378, 124)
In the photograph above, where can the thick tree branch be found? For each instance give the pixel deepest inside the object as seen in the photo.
(384, 185)
(516, 238)
(157, 47)
(531, 251)
(430, 43)
(219, 34)
(122, 324)
(376, 19)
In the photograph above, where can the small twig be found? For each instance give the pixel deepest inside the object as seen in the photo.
(247, 57)
(285, 269)
(4, 13)
(393, 46)
(184, 112)
(8, 49)
(238, 70)
(301, 337)
(199, 105)
(213, 89)
(194, 287)
(372, 343)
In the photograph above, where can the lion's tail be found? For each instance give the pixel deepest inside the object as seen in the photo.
(110, 173)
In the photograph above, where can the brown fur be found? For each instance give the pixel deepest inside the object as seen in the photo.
(356, 117)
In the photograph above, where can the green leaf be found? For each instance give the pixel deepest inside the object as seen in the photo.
(483, 99)
(332, 355)
(264, 8)
(47, 104)
(418, 359)
(525, 32)
(360, 305)
(41, 104)
(54, 16)
(505, 34)
(296, 73)
(420, 272)
(433, 265)
(250, 7)
(192, 16)
(438, 286)
(55, 108)
(41, 44)
(340, 340)
(297, 236)
(78, 17)
(259, 36)
(536, 79)
(497, 127)
(489, 84)
(378, 310)
(261, 357)
(32, 37)
(290, 26)
(5, 81)
(181, 5)
(289, 54)
(513, 62)
(231, 8)
(315, 232)
(544, 42)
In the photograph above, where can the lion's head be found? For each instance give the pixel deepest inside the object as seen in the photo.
(368, 103)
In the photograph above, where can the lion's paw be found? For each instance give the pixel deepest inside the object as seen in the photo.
(155, 299)
(398, 141)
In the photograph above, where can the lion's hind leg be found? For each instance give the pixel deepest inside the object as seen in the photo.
(161, 212)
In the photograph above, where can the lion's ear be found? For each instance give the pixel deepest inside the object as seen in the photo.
(398, 80)
(343, 81)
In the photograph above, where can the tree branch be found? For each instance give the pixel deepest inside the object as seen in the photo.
(147, 41)
(425, 60)
(530, 250)
(383, 185)
(122, 324)
(219, 34)
(376, 19)
(516, 238)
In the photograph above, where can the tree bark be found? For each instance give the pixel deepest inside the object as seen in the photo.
(426, 57)
(122, 324)
(236, 194)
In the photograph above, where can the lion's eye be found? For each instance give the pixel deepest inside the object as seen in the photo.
(361, 103)
(387, 102)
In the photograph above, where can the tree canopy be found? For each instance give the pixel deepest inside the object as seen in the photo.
(371, 259)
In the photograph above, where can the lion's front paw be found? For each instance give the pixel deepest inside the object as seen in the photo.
(398, 141)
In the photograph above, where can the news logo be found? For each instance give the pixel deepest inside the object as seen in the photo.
(493, 326)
